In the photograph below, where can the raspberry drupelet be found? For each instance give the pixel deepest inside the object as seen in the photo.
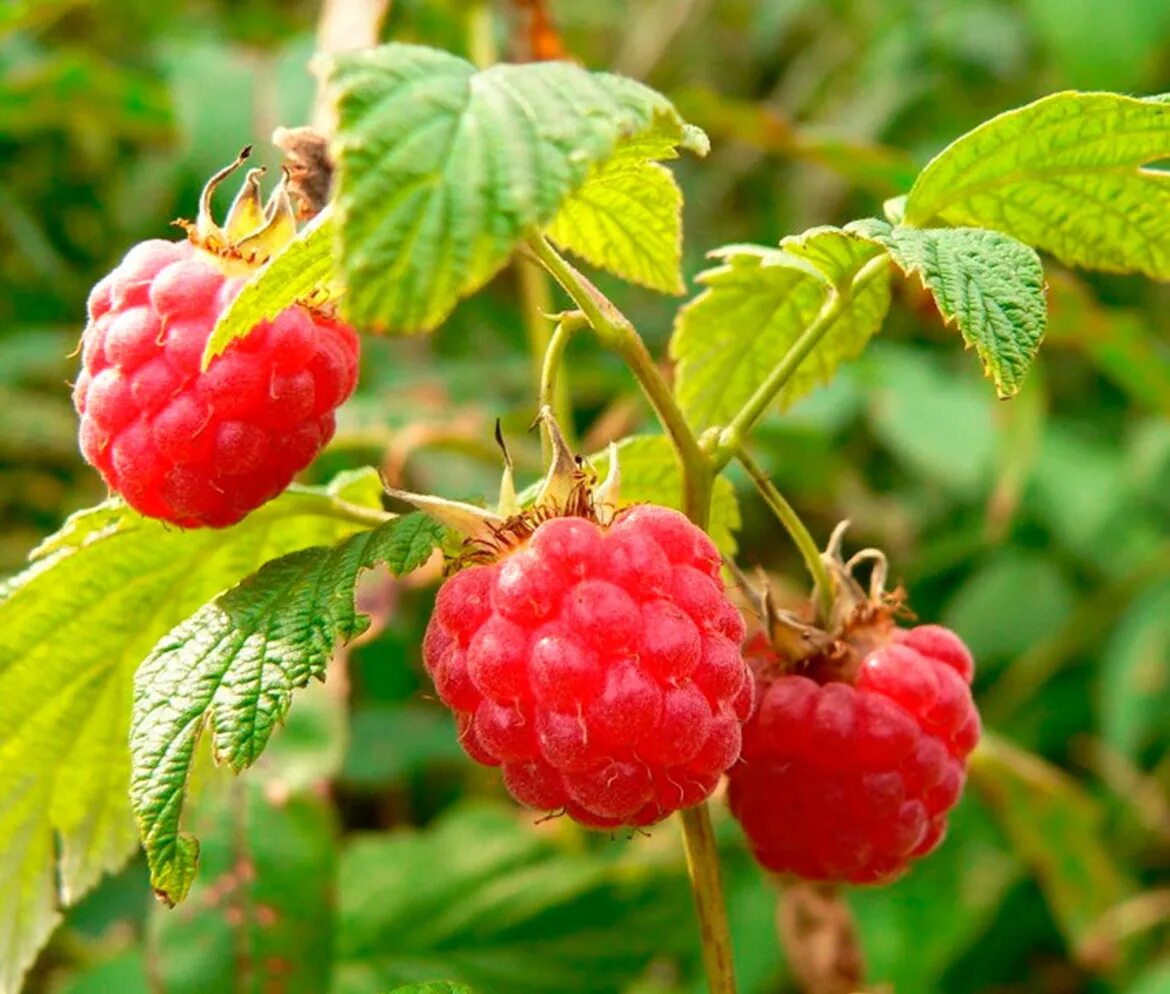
(194, 446)
(857, 752)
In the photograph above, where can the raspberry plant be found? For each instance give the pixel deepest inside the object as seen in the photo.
(586, 642)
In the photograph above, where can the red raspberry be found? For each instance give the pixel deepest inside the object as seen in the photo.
(599, 667)
(202, 448)
(842, 781)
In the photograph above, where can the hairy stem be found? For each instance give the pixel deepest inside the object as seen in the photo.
(738, 429)
(551, 381)
(615, 332)
(800, 535)
(707, 887)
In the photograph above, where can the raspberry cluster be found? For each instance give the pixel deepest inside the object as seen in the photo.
(202, 448)
(841, 781)
(599, 667)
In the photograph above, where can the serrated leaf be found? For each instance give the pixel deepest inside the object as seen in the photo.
(484, 898)
(232, 667)
(442, 168)
(650, 474)
(1056, 828)
(990, 285)
(1072, 174)
(755, 308)
(627, 216)
(302, 268)
(73, 629)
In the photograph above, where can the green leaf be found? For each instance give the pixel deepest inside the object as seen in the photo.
(987, 283)
(442, 169)
(299, 270)
(483, 897)
(756, 307)
(650, 474)
(627, 216)
(73, 629)
(233, 665)
(1056, 828)
(1072, 174)
(261, 917)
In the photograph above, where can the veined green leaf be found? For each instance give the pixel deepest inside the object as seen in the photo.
(990, 285)
(757, 306)
(233, 665)
(73, 628)
(302, 268)
(627, 216)
(650, 474)
(1055, 827)
(442, 168)
(1072, 174)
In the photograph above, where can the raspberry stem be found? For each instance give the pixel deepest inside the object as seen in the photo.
(615, 332)
(707, 887)
(796, 529)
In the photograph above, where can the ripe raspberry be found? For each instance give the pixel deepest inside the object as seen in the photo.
(599, 667)
(852, 781)
(202, 448)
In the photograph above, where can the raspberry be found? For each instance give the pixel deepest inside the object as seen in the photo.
(202, 448)
(599, 667)
(853, 780)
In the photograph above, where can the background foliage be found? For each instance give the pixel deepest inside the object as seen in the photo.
(363, 853)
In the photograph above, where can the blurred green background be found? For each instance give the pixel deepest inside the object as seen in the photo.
(1037, 528)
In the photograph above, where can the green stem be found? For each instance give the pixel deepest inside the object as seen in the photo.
(535, 305)
(481, 34)
(796, 529)
(737, 430)
(703, 867)
(615, 332)
(553, 359)
(367, 517)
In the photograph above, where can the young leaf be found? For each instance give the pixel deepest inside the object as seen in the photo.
(1056, 829)
(627, 216)
(73, 628)
(1073, 174)
(266, 888)
(987, 283)
(650, 473)
(757, 306)
(302, 268)
(483, 899)
(442, 168)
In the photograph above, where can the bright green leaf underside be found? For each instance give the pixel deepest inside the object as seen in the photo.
(990, 285)
(233, 666)
(442, 168)
(755, 308)
(627, 216)
(302, 268)
(1073, 174)
(73, 629)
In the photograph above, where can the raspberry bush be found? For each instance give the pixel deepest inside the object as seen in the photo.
(589, 637)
